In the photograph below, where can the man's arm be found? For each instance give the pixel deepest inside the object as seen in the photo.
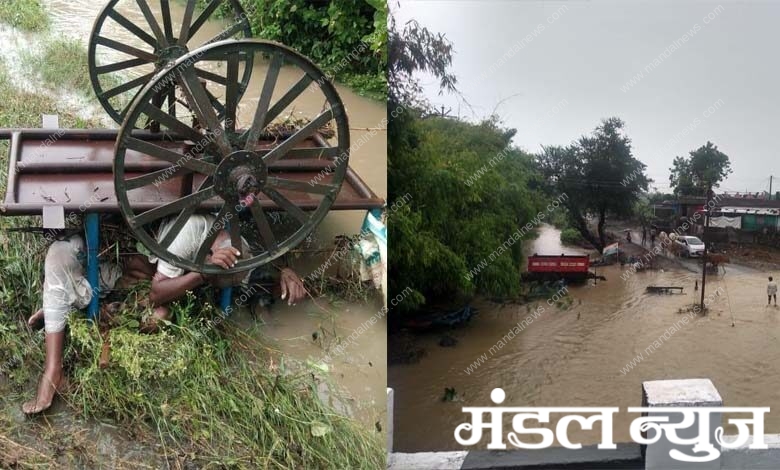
(166, 289)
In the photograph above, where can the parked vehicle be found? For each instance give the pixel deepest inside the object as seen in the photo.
(554, 267)
(691, 246)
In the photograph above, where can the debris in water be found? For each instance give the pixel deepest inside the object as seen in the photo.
(449, 394)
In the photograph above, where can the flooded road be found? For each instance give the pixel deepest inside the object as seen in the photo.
(358, 375)
(578, 356)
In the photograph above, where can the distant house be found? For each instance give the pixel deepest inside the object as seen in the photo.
(747, 214)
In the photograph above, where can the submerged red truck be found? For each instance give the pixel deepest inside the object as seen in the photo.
(553, 267)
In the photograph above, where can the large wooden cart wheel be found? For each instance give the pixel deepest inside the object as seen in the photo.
(239, 156)
(138, 42)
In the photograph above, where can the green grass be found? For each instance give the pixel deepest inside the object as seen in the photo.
(62, 64)
(214, 394)
(28, 15)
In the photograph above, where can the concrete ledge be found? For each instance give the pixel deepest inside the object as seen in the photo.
(626, 456)
(687, 392)
(742, 457)
(426, 461)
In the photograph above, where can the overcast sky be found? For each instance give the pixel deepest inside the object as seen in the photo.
(709, 71)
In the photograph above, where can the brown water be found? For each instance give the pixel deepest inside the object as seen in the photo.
(574, 357)
(358, 377)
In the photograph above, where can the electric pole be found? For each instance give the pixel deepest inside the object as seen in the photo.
(704, 236)
(770, 187)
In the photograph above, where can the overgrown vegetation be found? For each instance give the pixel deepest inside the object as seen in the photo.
(61, 62)
(28, 15)
(471, 190)
(346, 38)
(571, 236)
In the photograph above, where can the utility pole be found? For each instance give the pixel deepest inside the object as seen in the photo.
(704, 236)
(770, 187)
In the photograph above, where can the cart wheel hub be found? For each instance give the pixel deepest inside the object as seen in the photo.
(240, 174)
(168, 55)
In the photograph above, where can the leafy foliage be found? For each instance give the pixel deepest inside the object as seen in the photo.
(346, 38)
(448, 228)
(601, 171)
(704, 166)
(571, 236)
(415, 49)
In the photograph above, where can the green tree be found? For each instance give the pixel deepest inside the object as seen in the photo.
(599, 174)
(450, 220)
(643, 213)
(703, 167)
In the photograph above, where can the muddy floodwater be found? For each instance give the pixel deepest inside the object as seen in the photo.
(578, 356)
(358, 377)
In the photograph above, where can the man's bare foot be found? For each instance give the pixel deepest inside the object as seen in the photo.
(50, 385)
(35, 322)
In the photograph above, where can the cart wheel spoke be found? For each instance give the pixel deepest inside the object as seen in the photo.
(286, 204)
(126, 64)
(171, 122)
(179, 222)
(200, 103)
(156, 176)
(258, 123)
(153, 24)
(231, 93)
(185, 160)
(266, 233)
(127, 49)
(301, 135)
(204, 16)
(286, 99)
(138, 82)
(229, 32)
(234, 228)
(173, 207)
(132, 27)
(186, 22)
(165, 9)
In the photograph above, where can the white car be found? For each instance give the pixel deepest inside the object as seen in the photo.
(692, 246)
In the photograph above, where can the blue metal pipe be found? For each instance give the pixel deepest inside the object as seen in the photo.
(92, 226)
(225, 299)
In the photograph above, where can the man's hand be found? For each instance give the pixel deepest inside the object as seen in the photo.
(225, 258)
(292, 287)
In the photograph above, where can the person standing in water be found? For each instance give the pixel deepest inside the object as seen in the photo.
(771, 291)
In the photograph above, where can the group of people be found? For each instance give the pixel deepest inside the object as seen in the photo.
(644, 235)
